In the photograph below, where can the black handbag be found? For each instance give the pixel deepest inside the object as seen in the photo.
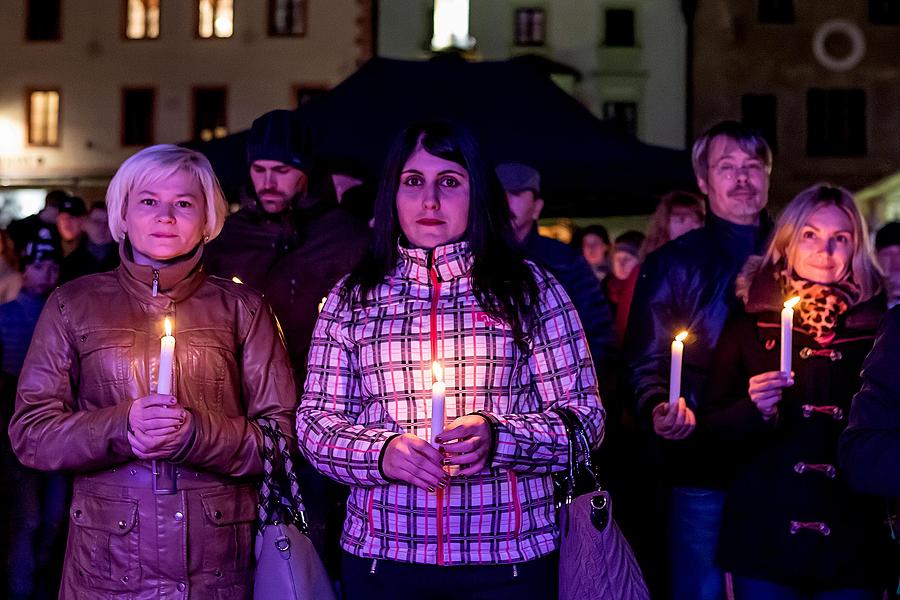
(287, 565)
(595, 560)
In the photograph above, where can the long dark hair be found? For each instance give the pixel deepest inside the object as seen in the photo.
(503, 284)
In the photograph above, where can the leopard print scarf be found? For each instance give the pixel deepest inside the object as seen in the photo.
(820, 305)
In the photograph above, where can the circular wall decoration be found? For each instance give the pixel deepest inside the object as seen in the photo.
(845, 29)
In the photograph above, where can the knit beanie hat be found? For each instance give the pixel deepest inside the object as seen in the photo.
(278, 135)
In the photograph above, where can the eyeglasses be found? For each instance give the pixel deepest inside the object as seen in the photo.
(731, 171)
(600, 511)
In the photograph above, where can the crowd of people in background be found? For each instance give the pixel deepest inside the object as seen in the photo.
(334, 309)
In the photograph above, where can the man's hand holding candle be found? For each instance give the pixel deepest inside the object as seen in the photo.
(673, 421)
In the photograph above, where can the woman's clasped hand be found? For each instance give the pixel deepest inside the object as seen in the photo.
(157, 426)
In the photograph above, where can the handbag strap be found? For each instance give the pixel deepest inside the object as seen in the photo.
(579, 454)
(279, 492)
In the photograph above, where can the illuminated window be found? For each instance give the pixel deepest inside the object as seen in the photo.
(210, 113)
(451, 25)
(43, 118)
(216, 18)
(531, 25)
(287, 17)
(142, 19)
(138, 106)
(43, 20)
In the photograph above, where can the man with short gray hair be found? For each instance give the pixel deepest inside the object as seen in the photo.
(688, 284)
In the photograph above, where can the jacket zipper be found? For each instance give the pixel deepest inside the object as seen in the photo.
(517, 504)
(439, 494)
(155, 282)
(369, 506)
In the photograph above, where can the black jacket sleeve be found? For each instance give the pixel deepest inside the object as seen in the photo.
(590, 303)
(648, 337)
(870, 446)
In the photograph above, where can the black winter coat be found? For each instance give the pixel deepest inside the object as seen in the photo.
(686, 284)
(789, 515)
(250, 243)
(294, 258)
(575, 275)
(870, 446)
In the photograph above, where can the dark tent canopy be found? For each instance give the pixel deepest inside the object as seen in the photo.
(518, 113)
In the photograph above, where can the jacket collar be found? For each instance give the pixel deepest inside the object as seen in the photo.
(450, 261)
(176, 282)
(732, 234)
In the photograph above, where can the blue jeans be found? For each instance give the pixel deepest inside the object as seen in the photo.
(695, 516)
(750, 589)
(39, 505)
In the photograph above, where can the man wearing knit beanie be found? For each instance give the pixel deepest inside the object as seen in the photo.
(293, 242)
(279, 159)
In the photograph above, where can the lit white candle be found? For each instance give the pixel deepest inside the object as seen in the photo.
(438, 389)
(787, 333)
(166, 360)
(675, 371)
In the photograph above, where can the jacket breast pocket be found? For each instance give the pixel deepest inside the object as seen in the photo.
(107, 357)
(106, 541)
(224, 531)
(208, 357)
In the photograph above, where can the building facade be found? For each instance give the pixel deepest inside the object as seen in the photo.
(820, 79)
(86, 83)
(630, 54)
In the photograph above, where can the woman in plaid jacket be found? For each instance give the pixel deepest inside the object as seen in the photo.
(470, 515)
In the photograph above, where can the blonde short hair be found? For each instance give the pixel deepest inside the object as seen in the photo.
(154, 164)
(863, 269)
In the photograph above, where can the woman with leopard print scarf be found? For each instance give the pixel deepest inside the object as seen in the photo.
(792, 528)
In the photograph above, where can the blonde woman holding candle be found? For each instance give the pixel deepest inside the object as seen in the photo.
(443, 311)
(165, 487)
(792, 528)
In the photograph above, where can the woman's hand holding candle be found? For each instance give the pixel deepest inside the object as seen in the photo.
(411, 459)
(157, 426)
(466, 442)
(765, 391)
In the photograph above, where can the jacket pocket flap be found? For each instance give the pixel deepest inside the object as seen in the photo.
(210, 338)
(106, 338)
(229, 507)
(117, 516)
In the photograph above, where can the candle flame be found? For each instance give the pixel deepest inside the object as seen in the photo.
(437, 371)
(681, 336)
(168, 326)
(792, 302)
(237, 279)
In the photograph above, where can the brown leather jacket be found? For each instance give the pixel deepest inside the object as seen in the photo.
(95, 350)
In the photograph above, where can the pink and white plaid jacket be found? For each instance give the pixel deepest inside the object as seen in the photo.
(370, 378)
